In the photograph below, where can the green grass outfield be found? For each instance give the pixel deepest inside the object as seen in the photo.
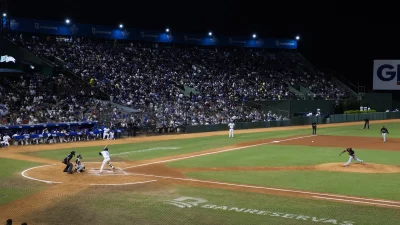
(140, 206)
(285, 155)
(374, 131)
(145, 150)
(143, 204)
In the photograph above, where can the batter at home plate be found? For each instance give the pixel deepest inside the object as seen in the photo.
(106, 160)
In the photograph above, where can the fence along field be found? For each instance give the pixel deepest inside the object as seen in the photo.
(144, 190)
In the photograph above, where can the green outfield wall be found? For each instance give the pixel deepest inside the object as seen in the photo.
(296, 121)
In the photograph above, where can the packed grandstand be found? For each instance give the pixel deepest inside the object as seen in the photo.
(171, 85)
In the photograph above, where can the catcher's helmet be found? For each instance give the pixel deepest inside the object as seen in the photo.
(79, 156)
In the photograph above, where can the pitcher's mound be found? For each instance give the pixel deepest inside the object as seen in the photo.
(358, 168)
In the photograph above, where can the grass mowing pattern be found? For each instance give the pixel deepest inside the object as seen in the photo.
(383, 186)
(185, 146)
(284, 155)
(141, 206)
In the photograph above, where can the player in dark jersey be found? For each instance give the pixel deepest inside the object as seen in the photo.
(366, 123)
(67, 162)
(314, 128)
(352, 156)
(384, 131)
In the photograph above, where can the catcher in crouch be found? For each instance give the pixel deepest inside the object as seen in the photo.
(352, 156)
(79, 167)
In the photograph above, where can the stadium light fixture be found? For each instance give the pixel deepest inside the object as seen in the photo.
(167, 30)
(4, 14)
(210, 33)
(254, 35)
(67, 21)
(121, 26)
(297, 37)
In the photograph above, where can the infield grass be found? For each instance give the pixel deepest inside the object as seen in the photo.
(285, 155)
(148, 150)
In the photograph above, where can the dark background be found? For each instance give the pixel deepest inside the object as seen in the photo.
(341, 36)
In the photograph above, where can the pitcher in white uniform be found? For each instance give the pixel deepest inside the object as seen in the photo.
(106, 156)
(231, 126)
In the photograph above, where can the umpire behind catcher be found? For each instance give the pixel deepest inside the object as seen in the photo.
(67, 162)
(314, 128)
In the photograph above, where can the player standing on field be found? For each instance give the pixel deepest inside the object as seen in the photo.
(384, 131)
(106, 156)
(366, 124)
(231, 126)
(314, 128)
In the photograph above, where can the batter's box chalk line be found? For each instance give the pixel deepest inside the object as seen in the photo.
(106, 172)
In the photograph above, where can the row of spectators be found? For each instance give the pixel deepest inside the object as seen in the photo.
(180, 85)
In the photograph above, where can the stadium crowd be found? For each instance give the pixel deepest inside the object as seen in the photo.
(38, 98)
(177, 85)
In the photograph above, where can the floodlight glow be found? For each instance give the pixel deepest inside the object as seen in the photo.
(167, 30)
(121, 26)
(67, 21)
(297, 37)
(254, 35)
(209, 33)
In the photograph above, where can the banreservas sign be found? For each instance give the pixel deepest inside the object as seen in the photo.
(190, 202)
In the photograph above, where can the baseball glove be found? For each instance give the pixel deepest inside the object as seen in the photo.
(100, 153)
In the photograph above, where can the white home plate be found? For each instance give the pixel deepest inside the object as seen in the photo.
(105, 172)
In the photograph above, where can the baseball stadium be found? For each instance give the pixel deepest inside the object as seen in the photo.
(104, 125)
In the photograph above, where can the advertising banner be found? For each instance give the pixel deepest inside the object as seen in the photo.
(386, 75)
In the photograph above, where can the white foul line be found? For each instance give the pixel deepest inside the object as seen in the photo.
(45, 181)
(216, 152)
(346, 200)
(264, 188)
(142, 182)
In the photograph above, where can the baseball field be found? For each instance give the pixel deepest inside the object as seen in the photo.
(261, 176)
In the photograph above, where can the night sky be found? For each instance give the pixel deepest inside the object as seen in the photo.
(343, 37)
